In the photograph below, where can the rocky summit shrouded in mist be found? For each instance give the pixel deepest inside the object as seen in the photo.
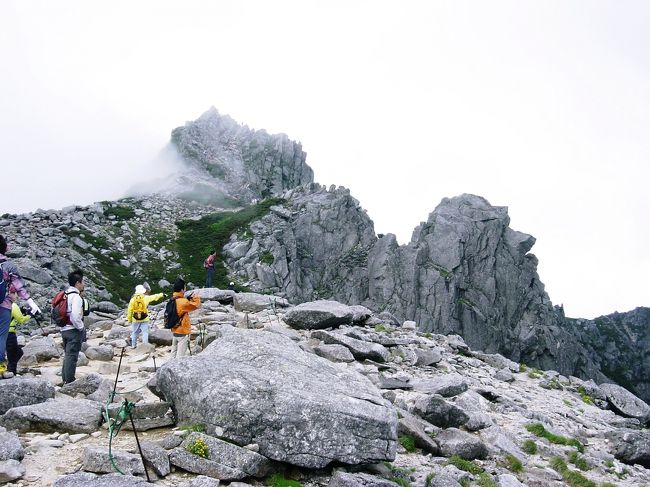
(311, 367)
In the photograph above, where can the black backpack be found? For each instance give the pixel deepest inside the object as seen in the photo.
(171, 314)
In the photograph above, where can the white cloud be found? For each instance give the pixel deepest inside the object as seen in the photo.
(542, 107)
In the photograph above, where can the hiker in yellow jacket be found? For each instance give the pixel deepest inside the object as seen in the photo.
(138, 313)
(14, 352)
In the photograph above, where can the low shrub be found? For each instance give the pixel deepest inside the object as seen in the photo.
(571, 477)
(529, 447)
(407, 442)
(278, 480)
(513, 464)
(538, 430)
(486, 480)
(465, 465)
(199, 448)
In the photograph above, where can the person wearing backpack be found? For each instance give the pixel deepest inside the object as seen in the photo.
(208, 265)
(138, 313)
(183, 307)
(10, 282)
(73, 331)
(14, 351)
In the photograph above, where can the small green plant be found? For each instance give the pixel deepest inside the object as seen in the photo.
(571, 477)
(428, 335)
(529, 447)
(578, 461)
(465, 465)
(586, 398)
(552, 384)
(513, 464)
(199, 448)
(267, 258)
(401, 476)
(194, 428)
(430, 477)
(381, 328)
(567, 402)
(609, 464)
(407, 442)
(535, 373)
(120, 212)
(538, 430)
(607, 484)
(523, 368)
(278, 480)
(486, 480)
(465, 482)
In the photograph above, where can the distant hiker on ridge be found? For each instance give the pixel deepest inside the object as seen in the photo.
(208, 265)
(138, 313)
(10, 281)
(18, 317)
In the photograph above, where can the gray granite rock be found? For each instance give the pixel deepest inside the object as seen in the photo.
(100, 352)
(10, 446)
(298, 407)
(11, 470)
(335, 353)
(439, 412)
(626, 403)
(316, 315)
(345, 479)
(97, 460)
(23, 392)
(155, 457)
(360, 349)
(86, 479)
(62, 415)
(453, 441)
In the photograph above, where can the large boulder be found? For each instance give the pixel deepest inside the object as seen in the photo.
(60, 415)
(625, 403)
(23, 392)
(257, 387)
(319, 314)
(453, 441)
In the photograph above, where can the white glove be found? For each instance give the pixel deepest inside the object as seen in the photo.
(33, 306)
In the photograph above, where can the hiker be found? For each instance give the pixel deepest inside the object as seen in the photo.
(208, 264)
(10, 281)
(73, 332)
(138, 313)
(18, 317)
(184, 305)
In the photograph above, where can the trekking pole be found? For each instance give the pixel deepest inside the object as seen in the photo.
(119, 366)
(135, 433)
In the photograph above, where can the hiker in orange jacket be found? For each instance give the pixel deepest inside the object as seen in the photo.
(184, 305)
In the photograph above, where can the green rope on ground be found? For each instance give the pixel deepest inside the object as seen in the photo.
(115, 424)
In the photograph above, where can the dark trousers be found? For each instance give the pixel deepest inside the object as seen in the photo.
(72, 346)
(210, 277)
(5, 319)
(14, 352)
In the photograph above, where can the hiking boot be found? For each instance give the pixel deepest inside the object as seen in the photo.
(7, 375)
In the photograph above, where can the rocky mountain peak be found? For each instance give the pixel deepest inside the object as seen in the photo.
(230, 162)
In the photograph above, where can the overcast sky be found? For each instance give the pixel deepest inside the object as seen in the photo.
(539, 106)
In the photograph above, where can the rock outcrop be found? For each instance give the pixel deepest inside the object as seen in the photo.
(230, 162)
(464, 272)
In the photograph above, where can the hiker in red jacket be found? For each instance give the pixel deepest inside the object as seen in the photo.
(208, 264)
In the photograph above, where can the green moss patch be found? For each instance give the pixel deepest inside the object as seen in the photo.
(538, 430)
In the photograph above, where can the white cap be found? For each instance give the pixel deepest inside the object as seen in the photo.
(140, 289)
(232, 283)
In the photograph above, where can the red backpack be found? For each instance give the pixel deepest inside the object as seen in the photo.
(60, 309)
